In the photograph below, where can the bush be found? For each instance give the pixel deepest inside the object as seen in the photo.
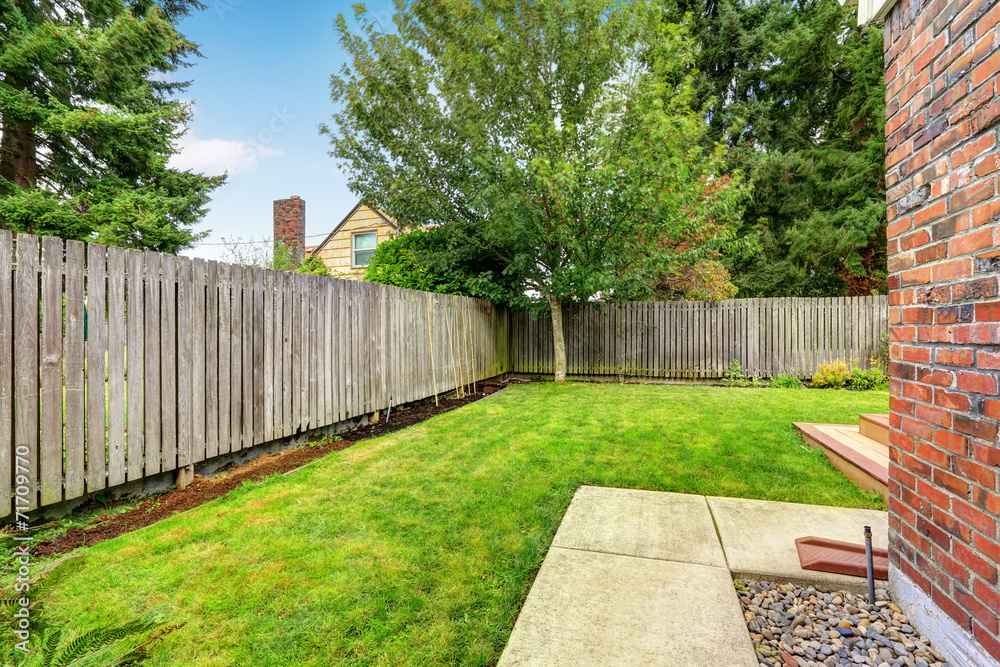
(867, 380)
(786, 382)
(832, 374)
(735, 377)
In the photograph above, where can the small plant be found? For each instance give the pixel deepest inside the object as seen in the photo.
(734, 376)
(868, 380)
(880, 359)
(832, 375)
(786, 382)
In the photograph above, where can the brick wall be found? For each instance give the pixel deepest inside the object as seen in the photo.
(290, 224)
(942, 157)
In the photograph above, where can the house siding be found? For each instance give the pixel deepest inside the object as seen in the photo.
(336, 254)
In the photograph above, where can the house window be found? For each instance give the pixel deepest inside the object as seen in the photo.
(363, 247)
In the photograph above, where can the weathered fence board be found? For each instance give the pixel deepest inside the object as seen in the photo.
(125, 364)
(699, 340)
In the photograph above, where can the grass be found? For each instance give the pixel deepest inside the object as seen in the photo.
(418, 548)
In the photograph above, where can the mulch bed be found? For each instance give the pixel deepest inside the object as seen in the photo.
(204, 489)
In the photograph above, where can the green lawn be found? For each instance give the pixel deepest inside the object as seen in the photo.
(418, 548)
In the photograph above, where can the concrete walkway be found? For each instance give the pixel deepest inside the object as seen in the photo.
(646, 578)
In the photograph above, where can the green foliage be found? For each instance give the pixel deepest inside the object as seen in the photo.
(868, 379)
(560, 139)
(786, 382)
(796, 90)
(881, 357)
(832, 375)
(90, 114)
(314, 265)
(126, 644)
(425, 260)
(735, 377)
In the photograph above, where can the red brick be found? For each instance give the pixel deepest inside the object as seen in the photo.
(937, 210)
(985, 117)
(984, 288)
(988, 312)
(945, 520)
(987, 638)
(981, 334)
(971, 242)
(953, 610)
(918, 392)
(933, 415)
(984, 592)
(981, 612)
(986, 23)
(959, 268)
(975, 517)
(987, 360)
(933, 532)
(917, 428)
(952, 442)
(952, 401)
(988, 454)
(988, 165)
(900, 405)
(917, 355)
(932, 454)
(916, 315)
(990, 409)
(935, 377)
(977, 428)
(975, 472)
(954, 357)
(916, 277)
(986, 214)
(977, 383)
(897, 227)
(985, 71)
(935, 334)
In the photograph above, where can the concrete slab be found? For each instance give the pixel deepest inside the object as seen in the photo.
(646, 524)
(758, 538)
(589, 608)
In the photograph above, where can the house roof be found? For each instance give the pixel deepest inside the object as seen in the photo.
(389, 221)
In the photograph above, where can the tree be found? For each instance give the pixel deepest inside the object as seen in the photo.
(423, 260)
(276, 256)
(89, 119)
(557, 137)
(796, 89)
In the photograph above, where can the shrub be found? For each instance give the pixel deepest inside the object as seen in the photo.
(867, 380)
(832, 374)
(786, 382)
(735, 377)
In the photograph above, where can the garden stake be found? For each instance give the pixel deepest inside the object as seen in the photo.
(430, 341)
(871, 565)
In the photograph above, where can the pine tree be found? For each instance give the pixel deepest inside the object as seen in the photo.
(796, 90)
(89, 119)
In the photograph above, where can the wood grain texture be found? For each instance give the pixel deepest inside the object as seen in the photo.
(51, 433)
(75, 360)
(116, 366)
(198, 347)
(97, 341)
(7, 369)
(168, 362)
(153, 458)
(135, 426)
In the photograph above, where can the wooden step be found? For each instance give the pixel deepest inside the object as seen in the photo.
(863, 460)
(875, 427)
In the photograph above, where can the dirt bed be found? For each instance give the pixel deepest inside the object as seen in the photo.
(204, 489)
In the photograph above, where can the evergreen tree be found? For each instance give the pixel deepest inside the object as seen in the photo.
(89, 119)
(796, 90)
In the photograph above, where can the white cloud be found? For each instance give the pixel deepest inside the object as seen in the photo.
(217, 156)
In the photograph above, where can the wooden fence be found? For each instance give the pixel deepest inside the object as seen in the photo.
(116, 364)
(699, 340)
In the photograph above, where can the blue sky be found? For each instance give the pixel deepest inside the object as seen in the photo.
(259, 95)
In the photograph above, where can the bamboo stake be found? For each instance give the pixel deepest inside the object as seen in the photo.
(430, 341)
(451, 349)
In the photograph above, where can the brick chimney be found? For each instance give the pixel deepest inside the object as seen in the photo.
(290, 225)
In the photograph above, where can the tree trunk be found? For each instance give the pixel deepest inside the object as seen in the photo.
(18, 156)
(558, 339)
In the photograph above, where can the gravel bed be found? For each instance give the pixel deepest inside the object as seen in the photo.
(798, 626)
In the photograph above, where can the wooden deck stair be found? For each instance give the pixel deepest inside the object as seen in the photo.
(860, 452)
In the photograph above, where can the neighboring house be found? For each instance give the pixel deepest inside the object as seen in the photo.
(348, 248)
